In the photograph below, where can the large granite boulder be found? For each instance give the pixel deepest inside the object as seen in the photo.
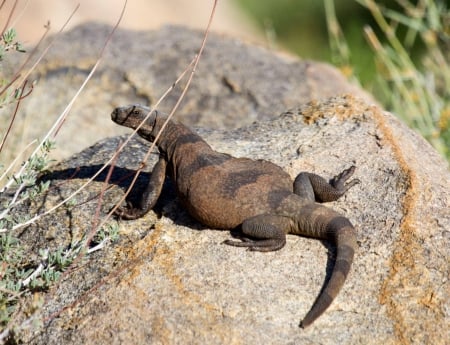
(169, 280)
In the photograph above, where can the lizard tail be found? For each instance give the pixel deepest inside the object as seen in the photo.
(343, 233)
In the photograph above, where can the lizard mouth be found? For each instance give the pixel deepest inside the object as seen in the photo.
(115, 115)
(121, 115)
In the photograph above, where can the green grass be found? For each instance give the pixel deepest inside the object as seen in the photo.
(416, 91)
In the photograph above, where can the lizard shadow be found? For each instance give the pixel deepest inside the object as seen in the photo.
(167, 204)
(331, 262)
(121, 177)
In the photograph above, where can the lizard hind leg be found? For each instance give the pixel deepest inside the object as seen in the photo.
(315, 188)
(263, 233)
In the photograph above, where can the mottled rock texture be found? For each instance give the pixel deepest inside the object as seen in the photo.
(169, 280)
(235, 83)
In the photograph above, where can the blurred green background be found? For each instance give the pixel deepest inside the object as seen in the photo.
(406, 67)
(300, 26)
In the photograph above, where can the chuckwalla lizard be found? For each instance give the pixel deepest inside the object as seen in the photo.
(224, 192)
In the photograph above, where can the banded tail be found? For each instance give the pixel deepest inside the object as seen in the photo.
(344, 235)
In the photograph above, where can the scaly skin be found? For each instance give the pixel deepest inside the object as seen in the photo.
(224, 192)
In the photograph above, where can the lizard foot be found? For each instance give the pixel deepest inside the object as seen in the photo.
(258, 245)
(339, 180)
(245, 242)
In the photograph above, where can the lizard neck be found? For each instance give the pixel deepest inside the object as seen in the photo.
(177, 140)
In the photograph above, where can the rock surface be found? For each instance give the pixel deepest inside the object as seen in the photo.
(168, 280)
(235, 83)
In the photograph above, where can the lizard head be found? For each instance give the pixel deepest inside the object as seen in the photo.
(132, 116)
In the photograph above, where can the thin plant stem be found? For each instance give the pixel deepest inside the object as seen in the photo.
(11, 12)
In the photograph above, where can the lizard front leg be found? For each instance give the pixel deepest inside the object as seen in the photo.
(265, 233)
(150, 195)
(315, 188)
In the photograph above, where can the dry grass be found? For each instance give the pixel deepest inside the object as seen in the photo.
(21, 182)
(417, 93)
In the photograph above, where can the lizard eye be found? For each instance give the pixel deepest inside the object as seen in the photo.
(136, 112)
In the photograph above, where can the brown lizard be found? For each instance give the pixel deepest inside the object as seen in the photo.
(224, 192)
